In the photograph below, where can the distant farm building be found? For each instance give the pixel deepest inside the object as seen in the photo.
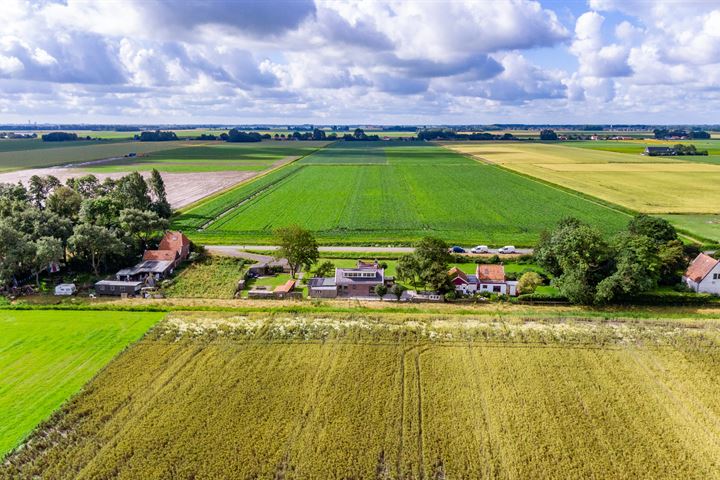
(659, 151)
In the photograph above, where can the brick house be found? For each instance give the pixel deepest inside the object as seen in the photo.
(487, 278)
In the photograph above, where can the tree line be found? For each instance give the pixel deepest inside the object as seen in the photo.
(664, 133)
(448, 134)
(88, 224)
(591, 270)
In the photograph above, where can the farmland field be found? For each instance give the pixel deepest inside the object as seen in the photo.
(213, 157)
(659, 185)
(706, 226)
(45, 357)
(352, 397)
(77, 153)
(391, 192)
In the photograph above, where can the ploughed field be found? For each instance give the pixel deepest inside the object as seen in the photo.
(215, 396)
(391, 192)
(615, 171)
(46, 356)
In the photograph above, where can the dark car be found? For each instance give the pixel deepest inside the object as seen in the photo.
(457, 249)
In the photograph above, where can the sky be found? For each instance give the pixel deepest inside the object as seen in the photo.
(360, 61)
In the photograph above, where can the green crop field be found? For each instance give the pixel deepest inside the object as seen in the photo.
(217, 396)
(636, 147)
(404, 192)
(706, 226)
(77, 152)
(46, 356)
(213, 157)
(17, 145)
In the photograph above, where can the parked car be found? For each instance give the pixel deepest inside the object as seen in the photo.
(65, 289)
(457, 249)
(507, 249)
(480, 249)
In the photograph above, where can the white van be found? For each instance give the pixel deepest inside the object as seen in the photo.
(66, 289)
(507, 249)
(480, 249)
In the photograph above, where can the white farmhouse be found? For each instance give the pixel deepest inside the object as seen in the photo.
(703, 275)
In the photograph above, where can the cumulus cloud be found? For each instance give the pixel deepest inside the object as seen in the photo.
(361, 60)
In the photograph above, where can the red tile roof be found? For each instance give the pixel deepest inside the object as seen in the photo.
(286, 288)
(174, 241)
(700, 267)
(160, 255)
(456, 272)
(490, 273)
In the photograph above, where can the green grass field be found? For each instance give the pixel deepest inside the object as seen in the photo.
(392, 397)
(398, 196)
(213, 157)
(212, 277)
(706, 226)
(76, 152)
(47, 356)
(636, 147)
(16, 145)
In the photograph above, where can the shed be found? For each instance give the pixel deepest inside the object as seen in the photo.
(66, 289)
(116, 287)
(282, 291)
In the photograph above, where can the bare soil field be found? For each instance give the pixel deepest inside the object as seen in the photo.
(182, 188)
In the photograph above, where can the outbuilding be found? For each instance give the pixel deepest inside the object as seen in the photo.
(117, 287)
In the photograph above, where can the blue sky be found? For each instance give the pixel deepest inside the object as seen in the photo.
(364, 61)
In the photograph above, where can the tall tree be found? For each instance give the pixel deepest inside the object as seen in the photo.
(94, 243)
(160, 204)
(298, 246)
(131, 191)
(15, 253)
(65, 202)
(45, 251)
(141, 225)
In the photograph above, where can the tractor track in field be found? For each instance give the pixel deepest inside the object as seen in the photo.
(248, 198)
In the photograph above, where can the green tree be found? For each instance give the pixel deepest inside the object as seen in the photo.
(88, 186)
(15, 252)
(103, 211)
(397, 290)
(131, 191)
(637, 268)
(94, 243)
(529, 281)
(141, 225)
(408, 270)
(65, 202)
(45, 251)
(325, 269)
(298, 246)
(160, 203)
(40, 187)
(655, 228)
(381, 290)
(579, 258)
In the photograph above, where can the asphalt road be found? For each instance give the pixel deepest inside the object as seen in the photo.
(233, 250)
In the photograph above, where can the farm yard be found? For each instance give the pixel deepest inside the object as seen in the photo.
(211, 277)
(391, 192)
(392, 397)
(47, 356)
(655, 185)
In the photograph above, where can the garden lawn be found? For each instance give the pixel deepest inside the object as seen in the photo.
(47, 356)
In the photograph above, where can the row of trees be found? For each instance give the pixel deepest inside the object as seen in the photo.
(447, 134)
(589, 269)
(86, 223)
(681, 149)
(62, 137)
(156, 136)
(664, 133)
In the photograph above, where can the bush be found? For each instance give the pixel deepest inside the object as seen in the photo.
(529, 281)
(488, 260)
(542, 297)
(671, 299)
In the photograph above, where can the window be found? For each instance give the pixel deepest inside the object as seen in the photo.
(497, 288)
(716, 276)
